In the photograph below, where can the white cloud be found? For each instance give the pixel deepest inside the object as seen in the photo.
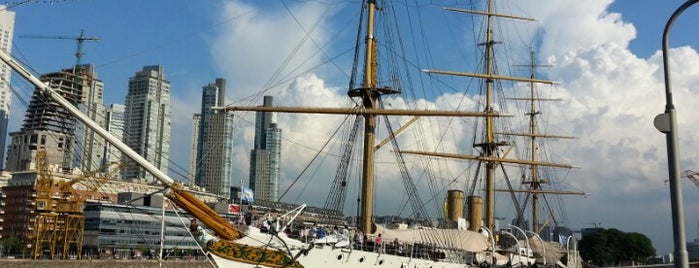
(614, 97)
(250, 49)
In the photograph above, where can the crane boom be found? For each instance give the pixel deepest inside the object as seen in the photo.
(80, 39)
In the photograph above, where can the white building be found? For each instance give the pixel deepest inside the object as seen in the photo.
(114, 123)
(7, 28)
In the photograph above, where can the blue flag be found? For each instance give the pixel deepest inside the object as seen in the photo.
(247, 195)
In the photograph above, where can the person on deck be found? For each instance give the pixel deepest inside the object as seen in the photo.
(321, 232)
(358, 240)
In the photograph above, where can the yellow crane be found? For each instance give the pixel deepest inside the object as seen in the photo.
(70, 208)
(43, 230)
(59, 225)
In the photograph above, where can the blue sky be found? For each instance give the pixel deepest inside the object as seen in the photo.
(650, 17)
(607, 65)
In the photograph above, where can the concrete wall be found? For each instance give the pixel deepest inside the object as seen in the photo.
(10, 263)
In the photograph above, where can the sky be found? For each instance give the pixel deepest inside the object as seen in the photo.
(605, 55)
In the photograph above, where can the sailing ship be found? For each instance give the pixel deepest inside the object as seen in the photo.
(231, 246)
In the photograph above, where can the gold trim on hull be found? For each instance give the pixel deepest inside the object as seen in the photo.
(252, 255)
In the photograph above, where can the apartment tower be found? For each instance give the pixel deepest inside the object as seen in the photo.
(7, 28)
(114, 123)
(214, 149)
(266, 155)
(147, 119)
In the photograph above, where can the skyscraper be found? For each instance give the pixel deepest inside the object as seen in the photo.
(196, 118)
(147, 121)
(266, 155)
(48, 126)
(214, 149)
(115, 125)
(7, 28)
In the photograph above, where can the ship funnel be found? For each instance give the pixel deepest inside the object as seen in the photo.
(455, 205)
(475, 204)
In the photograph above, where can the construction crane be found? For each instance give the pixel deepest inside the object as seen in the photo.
(70, 208)
(692, 176)
(42, 233)
(59, 224)
(78, 39)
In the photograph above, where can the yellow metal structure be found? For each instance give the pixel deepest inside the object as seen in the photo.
(43, 233)
(71, 221)
(59, 225)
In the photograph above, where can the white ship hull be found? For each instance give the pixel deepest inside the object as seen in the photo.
(338, 258)
(328, 255)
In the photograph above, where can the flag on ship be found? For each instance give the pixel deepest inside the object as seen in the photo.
(248, 195)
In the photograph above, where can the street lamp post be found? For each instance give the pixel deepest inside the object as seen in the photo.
(667, 123)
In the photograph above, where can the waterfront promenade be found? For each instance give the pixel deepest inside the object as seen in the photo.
(28, 263)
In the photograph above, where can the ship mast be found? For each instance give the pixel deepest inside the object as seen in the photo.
(535, 180)
(534, 183)
(489, 145)
(369, 96)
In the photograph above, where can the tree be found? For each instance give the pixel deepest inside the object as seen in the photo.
(612, 247)
(11, 245)
(640, 248)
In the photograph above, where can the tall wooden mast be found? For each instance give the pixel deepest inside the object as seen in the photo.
(535, 181)
(369, 95)
(489, 145)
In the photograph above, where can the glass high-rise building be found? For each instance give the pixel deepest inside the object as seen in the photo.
(214, 141)
(147, 122)
(7, 29)
(114, 123)
(196, 118)
(265, 157)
